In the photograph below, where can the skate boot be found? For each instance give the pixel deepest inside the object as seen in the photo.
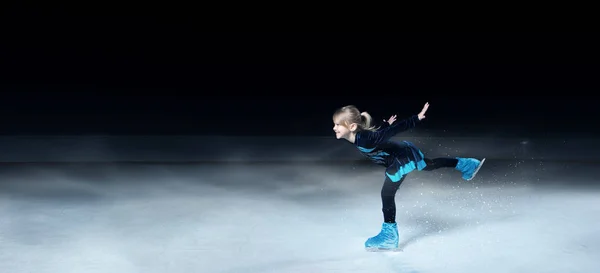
(386, 240)
(469, 167)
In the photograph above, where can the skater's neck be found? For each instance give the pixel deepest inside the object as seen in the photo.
(351, 137)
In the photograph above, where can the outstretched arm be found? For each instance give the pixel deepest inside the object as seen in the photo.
(387, 131)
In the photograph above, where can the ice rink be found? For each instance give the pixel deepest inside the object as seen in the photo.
(516, 216)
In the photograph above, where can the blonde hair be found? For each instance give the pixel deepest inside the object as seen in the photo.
(350, 114)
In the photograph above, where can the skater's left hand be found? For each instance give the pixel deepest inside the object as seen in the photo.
(391, 119)
(422, 114)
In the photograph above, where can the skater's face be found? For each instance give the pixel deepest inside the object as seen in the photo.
(342, 129)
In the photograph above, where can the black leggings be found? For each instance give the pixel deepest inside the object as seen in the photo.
(389, 189)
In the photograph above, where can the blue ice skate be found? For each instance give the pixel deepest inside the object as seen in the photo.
(469, 167)
(386, 240)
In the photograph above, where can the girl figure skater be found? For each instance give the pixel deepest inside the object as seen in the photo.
(399, 159)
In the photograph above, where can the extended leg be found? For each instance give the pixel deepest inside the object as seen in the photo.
(467, 166)
(441, 162)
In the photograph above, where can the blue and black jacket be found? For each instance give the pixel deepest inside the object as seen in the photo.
(399, 158)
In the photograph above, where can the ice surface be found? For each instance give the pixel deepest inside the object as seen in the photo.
(513, 217)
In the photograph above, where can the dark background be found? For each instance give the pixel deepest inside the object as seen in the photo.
(92, 75)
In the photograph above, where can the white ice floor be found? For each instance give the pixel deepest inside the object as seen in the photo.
(514, 217)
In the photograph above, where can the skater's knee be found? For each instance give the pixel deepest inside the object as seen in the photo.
(388, 195)
(389, 191)
(385, 200)
(430, 164)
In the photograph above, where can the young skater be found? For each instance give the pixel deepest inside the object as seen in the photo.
(399, 158)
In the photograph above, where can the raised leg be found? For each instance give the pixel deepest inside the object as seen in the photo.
(441, 162)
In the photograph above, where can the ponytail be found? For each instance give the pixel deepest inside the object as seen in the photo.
(367, 123)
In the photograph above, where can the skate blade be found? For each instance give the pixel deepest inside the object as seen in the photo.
(477, 170)
(377, 249)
